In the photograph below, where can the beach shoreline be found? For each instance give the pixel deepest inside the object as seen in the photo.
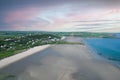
(65, 62)
(9, 60)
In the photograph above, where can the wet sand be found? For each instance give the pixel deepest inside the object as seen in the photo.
(63, 62)
(19, 56)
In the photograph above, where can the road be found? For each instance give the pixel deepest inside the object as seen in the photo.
(63, 62)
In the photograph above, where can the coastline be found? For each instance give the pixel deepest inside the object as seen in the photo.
(9, 60)
(96, 55)
(93, 51)
(65, 62)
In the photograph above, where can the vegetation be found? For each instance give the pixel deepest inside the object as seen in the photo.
(64, 42)
(12, 42)
(10, 45)
(7, 77)
(79, 34)
(86, 34)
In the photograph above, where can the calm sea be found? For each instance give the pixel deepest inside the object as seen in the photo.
(108, 48)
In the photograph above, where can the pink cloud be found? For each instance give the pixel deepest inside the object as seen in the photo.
(22, 19)
(19, 19)
(16, 26)
(71, 17)
(21, 15)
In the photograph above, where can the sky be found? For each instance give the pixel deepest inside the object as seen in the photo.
(60, 15)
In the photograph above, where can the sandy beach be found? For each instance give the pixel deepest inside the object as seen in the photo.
(19, 56)
(63, 62)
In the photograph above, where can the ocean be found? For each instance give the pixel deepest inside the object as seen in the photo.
(117, 35)
(107, 48)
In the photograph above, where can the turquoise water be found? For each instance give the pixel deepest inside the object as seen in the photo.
(108, 48)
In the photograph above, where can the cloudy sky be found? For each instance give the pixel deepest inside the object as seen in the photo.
(60, 15)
